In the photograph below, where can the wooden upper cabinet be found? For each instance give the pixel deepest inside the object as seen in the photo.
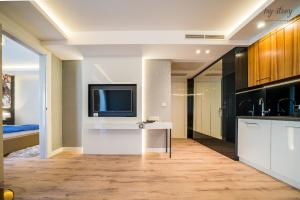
(296, 56)
(264, 56)
(251, 81)
(253, 62)
(275, 56)
(288, 50)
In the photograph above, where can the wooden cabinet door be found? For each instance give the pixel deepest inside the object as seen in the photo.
(277, 55)
(253, 63)
(296, 70)
(288, 50)
(251, 81)
(264, 50)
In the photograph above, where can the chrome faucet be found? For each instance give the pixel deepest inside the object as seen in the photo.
(262, 104)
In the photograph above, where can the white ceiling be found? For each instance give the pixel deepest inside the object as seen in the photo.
(153, 29)
(185, 69)
(24, 13)
(101, 15)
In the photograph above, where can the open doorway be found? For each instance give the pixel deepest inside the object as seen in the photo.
(21, 100)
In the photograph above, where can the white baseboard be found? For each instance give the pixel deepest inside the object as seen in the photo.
(73, 149)
(156, 150)
(66, 149)
(56, 151)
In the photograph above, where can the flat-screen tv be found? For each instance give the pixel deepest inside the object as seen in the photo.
(112, 100)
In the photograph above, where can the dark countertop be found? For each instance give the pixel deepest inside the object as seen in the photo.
(282, 118)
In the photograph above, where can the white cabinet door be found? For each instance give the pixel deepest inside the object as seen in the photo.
(285, 150)
(205, 107)
(254, 142)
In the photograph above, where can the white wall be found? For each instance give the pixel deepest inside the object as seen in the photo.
(111, 70)
(27, 99)
(179, 107)
(156, 99)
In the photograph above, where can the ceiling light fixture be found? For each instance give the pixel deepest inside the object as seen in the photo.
(207, 51)
(261, 24)
(198, 51)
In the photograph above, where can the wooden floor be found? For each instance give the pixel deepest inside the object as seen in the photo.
(194, 172)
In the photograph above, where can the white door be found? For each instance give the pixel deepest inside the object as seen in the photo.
(215, 100)
(205, 107)
(179, 107)
(197, 106)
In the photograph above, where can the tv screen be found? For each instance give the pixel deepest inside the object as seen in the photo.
(112, 100)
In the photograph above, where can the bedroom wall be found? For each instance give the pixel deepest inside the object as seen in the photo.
(71, 103)
(156, 99)
(27, 99)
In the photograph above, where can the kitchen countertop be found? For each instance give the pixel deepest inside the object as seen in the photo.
(282, 118)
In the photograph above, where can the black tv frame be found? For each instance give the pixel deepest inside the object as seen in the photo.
(132, 87)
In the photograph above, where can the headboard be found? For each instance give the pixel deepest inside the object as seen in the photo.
(8, 99)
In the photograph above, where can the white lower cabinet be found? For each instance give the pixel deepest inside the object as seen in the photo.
(254, 142)
(272, 146)
(285, 151)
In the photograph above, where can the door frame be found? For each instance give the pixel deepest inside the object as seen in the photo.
(44, 137)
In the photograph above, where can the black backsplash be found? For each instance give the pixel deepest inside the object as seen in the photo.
(288, 95)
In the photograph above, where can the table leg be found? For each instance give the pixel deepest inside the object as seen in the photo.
(170, 143)
(166, 140)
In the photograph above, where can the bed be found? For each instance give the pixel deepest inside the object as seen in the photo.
(17, 137)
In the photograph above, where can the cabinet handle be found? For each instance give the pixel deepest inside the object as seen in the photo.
(263, 78)
(297, 127)
(251, 124)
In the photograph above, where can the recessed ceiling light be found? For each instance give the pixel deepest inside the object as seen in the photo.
(207, 51)
(198, 51)
(261, 24)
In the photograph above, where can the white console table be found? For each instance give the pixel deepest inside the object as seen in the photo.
(134, 126)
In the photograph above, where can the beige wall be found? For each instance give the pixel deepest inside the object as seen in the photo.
(71, 101)
(157, 91)
(56, 103)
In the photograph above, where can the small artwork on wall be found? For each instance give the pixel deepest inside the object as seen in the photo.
(7, 91)
(8, 99)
